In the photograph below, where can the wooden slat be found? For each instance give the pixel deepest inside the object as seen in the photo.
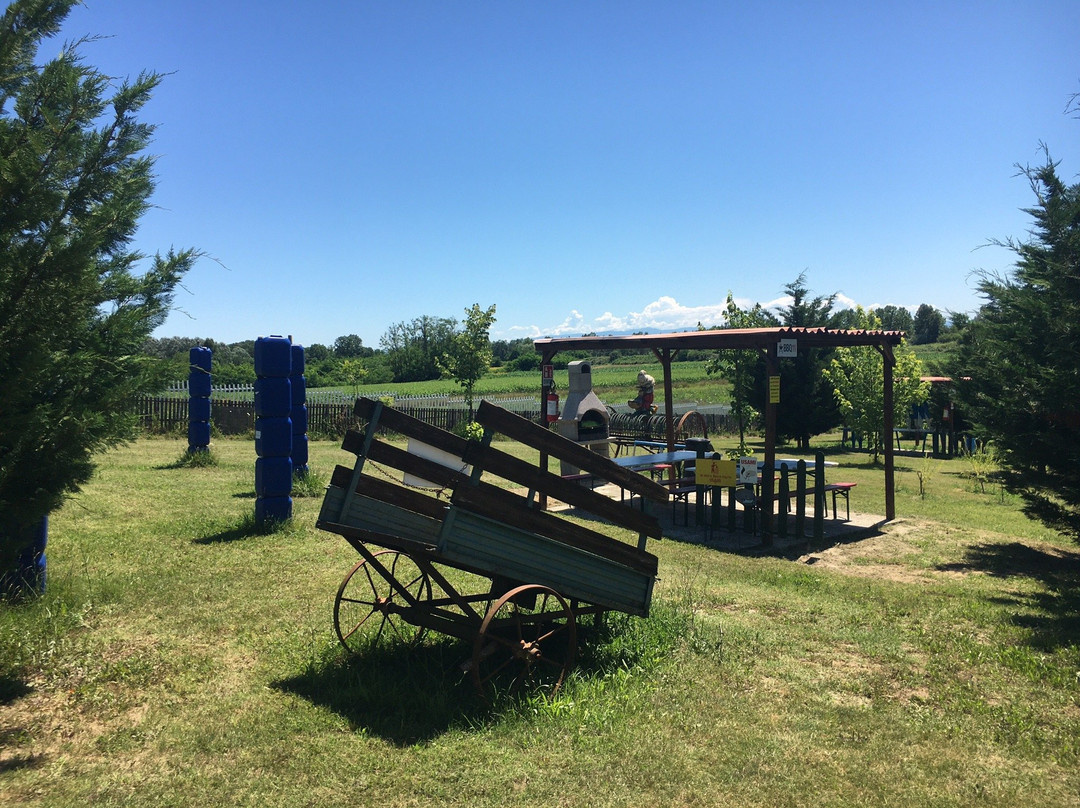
(526, 474)
(536, 436)
(386, 491)
(499, 504)
(399, 422)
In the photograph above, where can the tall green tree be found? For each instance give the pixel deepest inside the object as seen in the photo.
(469, 355)
(857, 376)
(414, 349)
(895, 318)
(928, 323)
(738, 367)
(807, 404)
(1018, 363)
(75, 311)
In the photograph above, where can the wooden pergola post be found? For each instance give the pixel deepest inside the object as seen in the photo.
(765, 506)
(890, 470)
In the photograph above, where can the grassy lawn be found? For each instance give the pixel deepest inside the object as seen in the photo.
(181, 657)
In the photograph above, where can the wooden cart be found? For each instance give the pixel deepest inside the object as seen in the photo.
(532, 573)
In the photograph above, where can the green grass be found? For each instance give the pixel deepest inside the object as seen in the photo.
(184, 657)
(613, 383)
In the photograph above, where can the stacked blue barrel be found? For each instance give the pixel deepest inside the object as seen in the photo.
(273, 429)
(199, 360)
(299, 413)
(28, 574)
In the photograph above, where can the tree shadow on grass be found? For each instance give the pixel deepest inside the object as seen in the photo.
(1053, 614)
(13, 688)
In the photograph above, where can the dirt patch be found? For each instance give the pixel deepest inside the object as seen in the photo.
(884, 556)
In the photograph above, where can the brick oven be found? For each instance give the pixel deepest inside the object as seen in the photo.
(584, 416)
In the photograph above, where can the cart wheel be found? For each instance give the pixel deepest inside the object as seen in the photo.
(366, 598)
(527, 639)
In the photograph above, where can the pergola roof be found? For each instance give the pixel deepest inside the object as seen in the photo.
(665, 346)
(724, 339)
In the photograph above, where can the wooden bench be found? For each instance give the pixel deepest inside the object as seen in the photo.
(841, 490)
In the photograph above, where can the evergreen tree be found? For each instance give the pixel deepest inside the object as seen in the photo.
(739, 367)
(807, 404)
(927, 323)
(74, 312)
(1018, 364)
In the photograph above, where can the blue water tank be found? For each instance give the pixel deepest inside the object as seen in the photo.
(198, 434)
(299, 416)
(273, 356)
(199, 383)
(273, 477)
(200, 358)
(199, 409)
(300, 452)
(299, 390)
(273, 437)
(297, 360)
(277, 509)
(273, 396)
(28, 572)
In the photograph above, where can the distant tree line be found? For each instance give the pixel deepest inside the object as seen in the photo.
(413, 350)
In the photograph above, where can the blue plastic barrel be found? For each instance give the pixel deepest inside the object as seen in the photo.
(299, 416)
(273, 437)
(273, 356)
(299, 390)
(28, 573)
(200, 358)
(273, 477)
(199, 384)
(199, 409)
(273, 396)
(276, 509)
(300, 452)
(198, 434)
(297, 360)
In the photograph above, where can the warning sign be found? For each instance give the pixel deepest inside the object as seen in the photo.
(715, 472)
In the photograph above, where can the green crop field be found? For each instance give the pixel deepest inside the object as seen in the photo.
(181, 656)
(613, 383)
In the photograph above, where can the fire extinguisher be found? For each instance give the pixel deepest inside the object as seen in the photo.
(552, 407)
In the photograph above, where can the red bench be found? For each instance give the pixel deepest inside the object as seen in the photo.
(841, 490)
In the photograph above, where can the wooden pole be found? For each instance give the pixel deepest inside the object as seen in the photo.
(772, 368)
(890, 476)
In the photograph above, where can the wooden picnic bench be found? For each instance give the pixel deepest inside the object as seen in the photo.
(531, 573)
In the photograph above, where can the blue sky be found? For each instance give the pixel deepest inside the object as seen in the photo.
(586, 166)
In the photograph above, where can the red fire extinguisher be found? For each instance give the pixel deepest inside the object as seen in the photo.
(552, 407)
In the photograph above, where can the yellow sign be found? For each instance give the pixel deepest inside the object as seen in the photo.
(715, 472)
(774, 389)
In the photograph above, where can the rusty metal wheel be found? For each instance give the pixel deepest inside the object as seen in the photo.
(367, 599)
(528, 639)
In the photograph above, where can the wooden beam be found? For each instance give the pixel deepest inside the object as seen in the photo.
(890, 464)
(772, 368)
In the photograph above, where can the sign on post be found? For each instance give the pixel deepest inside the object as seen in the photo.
(747, 471)
(721, 473)
(787, 349)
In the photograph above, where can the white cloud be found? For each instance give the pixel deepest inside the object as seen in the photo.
(663, 314)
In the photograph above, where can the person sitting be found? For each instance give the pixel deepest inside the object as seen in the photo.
(643, 404)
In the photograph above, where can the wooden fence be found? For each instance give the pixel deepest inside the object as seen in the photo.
(167, 414)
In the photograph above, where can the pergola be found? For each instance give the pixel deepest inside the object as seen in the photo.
(773, 344)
